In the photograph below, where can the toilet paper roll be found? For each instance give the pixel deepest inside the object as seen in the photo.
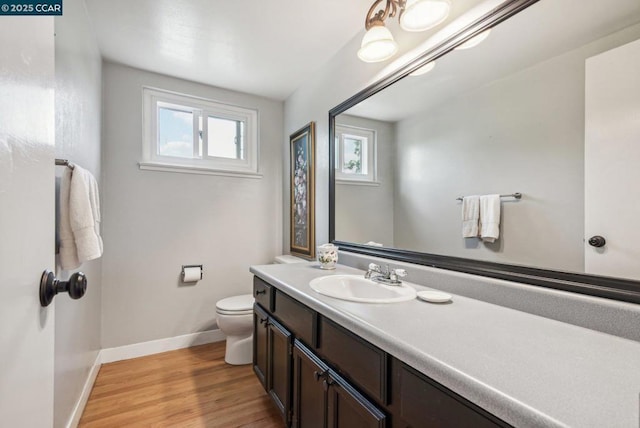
(191, 274)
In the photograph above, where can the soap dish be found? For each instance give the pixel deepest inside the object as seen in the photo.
(434, 296)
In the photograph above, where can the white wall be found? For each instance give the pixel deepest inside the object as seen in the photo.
(154, 222)
(505, 137)
(364, 212)
(511, 135)
(78, 120)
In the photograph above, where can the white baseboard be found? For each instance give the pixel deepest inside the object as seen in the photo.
(136, 350)
(74, 420)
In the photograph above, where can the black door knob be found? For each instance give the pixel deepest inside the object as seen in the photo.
(76, 286)
(597, 241)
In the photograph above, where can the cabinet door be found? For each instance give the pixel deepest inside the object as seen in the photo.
(347, 408)
(280, 342)
(260, 350)
(309, 395)
(423, 403)
(357, 361)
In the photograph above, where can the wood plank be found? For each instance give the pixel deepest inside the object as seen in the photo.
(190, 387)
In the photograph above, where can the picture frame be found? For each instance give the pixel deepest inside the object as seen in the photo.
(302, 192)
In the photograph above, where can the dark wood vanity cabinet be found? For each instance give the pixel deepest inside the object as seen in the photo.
(280, 343)
(321, 375)
(263, 294)
(420, 402)
(272, 348)
(305, 389)
(322, 398)
(309, 408)
(260, 345)
(354, 359)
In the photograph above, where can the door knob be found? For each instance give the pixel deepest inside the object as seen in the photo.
(597, 241)
(50, 286)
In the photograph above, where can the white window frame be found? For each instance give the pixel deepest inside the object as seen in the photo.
(200, 107)
(370, 178)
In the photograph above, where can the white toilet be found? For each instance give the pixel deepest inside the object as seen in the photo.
(235, 320)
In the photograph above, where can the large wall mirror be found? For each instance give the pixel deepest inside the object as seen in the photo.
(548, 106)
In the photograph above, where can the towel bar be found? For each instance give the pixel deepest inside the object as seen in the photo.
(64, 162)
(516, 195)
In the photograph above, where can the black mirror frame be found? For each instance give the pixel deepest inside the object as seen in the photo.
(607, 287)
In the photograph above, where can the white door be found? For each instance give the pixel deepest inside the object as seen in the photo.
(612, 162)
(26, 219)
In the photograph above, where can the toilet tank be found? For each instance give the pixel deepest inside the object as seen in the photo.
(287, 258)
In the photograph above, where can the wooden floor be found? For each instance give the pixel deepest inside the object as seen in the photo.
(190, 387)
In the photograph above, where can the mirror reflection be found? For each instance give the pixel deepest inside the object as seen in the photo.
(546, 105)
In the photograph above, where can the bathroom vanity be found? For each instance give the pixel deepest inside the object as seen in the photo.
(329, 362)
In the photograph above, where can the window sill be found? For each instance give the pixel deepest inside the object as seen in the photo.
(357, 182)
(189, 169)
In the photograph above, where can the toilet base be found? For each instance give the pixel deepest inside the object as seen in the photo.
(239, 350)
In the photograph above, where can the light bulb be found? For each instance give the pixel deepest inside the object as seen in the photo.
(377, 45)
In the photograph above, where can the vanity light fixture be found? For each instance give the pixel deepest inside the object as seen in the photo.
(424, 69)
(414, 15)
(474, 41)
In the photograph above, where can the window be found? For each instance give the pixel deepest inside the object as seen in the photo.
(190, 134)
(355, 154)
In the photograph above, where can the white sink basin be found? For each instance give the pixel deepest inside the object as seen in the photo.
(355, 288)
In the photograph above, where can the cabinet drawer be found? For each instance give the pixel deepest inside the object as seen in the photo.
(297, 317)
(263, 293)
(355, 359)
(422, 402)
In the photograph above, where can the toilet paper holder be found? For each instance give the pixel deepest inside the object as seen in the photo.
(190, 266)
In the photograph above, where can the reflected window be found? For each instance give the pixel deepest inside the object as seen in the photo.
(355, 154)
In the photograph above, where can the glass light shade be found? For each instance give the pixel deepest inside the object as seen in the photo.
(424, 69)
(474, 41)
(420, 15)
(377, 45)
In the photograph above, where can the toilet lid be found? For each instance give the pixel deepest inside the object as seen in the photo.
(242, 303)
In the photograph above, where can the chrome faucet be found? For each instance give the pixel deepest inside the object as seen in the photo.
(385, 275)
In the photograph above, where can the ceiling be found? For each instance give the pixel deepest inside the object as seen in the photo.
(266, 48)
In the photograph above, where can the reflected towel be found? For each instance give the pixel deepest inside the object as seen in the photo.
(489, 217)
(470, 216)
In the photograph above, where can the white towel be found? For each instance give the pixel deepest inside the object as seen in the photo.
(68, 251)
(489, 217)
(470, 216)
(374, 244)
(79, 218)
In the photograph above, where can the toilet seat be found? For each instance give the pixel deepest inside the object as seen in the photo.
(221, 312)
(236, 305)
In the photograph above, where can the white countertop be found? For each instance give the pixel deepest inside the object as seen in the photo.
(528, 370)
